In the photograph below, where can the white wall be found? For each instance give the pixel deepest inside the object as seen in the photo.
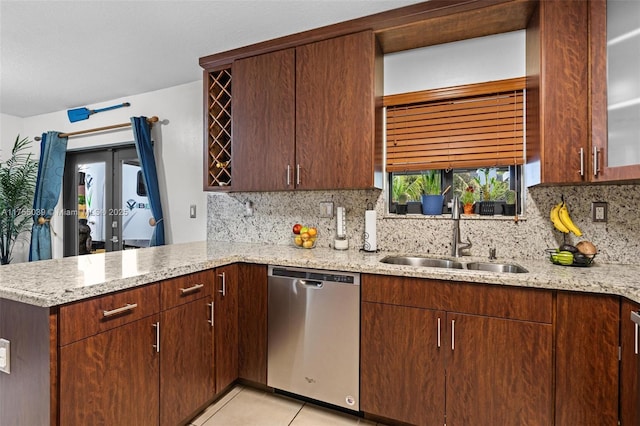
(490, 58)
(178, 149)
(10, 127)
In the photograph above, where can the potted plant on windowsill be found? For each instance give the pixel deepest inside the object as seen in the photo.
(487, 205)
(432, 199)
(509, 208)
(401, 207)
(468, 199)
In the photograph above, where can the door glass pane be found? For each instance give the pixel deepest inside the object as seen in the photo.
(623, 82)
(136, 211)
(91, 182)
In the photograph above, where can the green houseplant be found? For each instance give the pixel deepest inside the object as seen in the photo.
(18, 174)
(468, 198)
(509, 208)
(432, 199)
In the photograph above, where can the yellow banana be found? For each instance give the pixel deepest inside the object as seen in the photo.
(563, 214)
(555, 219)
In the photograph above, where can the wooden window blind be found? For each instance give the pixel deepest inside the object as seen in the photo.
(479, 125)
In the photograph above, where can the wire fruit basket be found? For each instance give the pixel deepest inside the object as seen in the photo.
(579, 259)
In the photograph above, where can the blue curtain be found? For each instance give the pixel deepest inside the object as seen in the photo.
(53, 151)
(142, 137)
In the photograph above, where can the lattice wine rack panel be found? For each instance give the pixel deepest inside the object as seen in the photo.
(219, 135)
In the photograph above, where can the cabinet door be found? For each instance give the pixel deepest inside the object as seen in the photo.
(587, 359)
(226, 326)
(264, 122)
(629, 386)
(111, 378)
(499, 371)
(401, 365)
(252, 323)
(187, 379)
(557, 93)
(615, 67)
(336, 89)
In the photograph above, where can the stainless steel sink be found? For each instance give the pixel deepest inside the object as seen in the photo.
(452, 264)
(495, 267)
(422, 261)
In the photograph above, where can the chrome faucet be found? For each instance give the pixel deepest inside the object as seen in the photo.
(457, 246)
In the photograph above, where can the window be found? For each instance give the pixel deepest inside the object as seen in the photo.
(467, 136)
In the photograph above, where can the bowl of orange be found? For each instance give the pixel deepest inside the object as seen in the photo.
(304, 236)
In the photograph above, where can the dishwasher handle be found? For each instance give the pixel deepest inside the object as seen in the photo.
(311, 283)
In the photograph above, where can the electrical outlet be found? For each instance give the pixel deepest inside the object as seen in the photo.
(5, 356)
(326, 209)
(599, 211)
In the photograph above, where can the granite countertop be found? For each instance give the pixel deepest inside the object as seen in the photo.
(59, 281)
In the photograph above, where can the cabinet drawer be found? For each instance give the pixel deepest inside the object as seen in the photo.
(184, 289)
(478, 299)
(89, 317)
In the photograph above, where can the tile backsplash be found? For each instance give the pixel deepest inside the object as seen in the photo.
(274, 213)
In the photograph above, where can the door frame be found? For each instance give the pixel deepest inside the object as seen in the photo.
(112, 156)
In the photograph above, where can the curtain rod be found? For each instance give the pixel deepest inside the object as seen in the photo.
(150, 120)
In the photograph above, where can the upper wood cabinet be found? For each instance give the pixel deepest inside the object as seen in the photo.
(264, 118)
(615, 89)
(338, 113)
(557, 58)
(309, 117)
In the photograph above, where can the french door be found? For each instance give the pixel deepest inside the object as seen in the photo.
(105, 202)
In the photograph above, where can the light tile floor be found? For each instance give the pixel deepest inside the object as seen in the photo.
(245, 406)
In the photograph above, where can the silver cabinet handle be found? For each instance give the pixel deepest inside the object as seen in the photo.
(211, 312)
(438, 332)
(453, 334)
(636, 344)
(190, 289)
(595, 161)
(128, 307)
(581, 161)
(288, 175)
(223, 291)
(298, 175)
(157, 345)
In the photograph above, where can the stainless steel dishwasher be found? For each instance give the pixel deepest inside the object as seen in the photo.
(314, 334)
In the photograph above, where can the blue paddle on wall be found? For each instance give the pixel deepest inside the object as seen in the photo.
(84, 113)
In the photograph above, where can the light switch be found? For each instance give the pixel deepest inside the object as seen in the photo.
(192, 211)
(5, 358)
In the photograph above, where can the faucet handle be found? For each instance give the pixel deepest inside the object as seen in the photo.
(492, 254)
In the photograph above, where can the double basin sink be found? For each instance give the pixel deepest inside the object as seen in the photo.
(453, 264)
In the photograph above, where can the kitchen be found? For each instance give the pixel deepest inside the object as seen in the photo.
(527, 239)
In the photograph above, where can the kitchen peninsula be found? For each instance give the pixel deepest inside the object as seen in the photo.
(40, 311)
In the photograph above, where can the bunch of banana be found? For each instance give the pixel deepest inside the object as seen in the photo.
(562, 221)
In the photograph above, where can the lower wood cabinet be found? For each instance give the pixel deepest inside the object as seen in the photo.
(187, 379)
(225, 296)
(402, 374)
(111, 378)
(587, 342)
(120, 370)
(252, 323)
(489, 364)
(629, 384)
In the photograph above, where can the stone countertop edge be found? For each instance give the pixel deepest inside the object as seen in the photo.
(57, 282)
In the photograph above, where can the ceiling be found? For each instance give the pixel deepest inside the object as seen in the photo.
(57, 55)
